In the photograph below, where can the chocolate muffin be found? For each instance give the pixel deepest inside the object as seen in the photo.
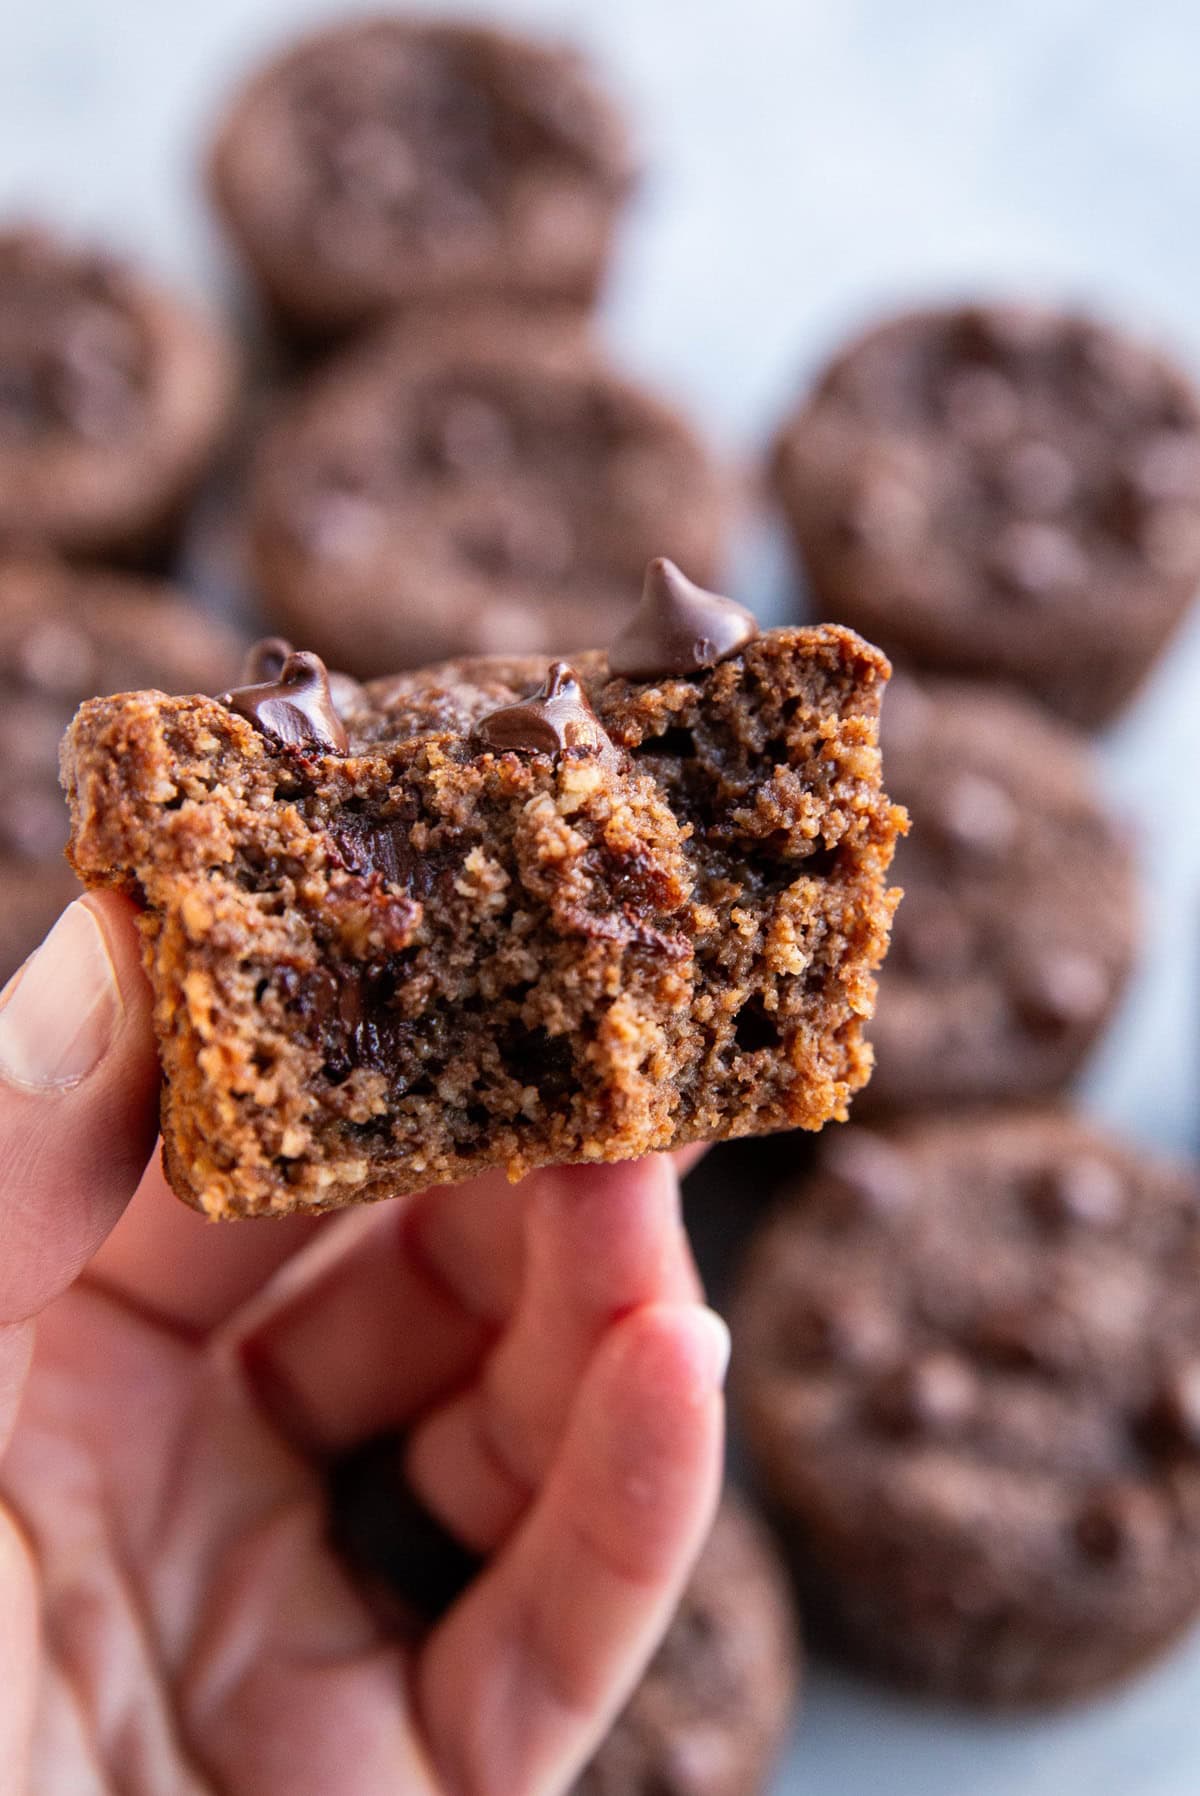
(1004, 491)
(499, 912)
(66, 635)
(1018, 926)
(112, 397)
(968, 1366)
(710, 1714)
(489, 486)
(395, 160)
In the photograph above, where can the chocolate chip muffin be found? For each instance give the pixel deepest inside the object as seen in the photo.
(487, 487)
(394, 160)
(968, 1366)
(1005, 491)
(710, 1714)
(499, 912)
(65, 635)
(112, 397)
(1019, 922)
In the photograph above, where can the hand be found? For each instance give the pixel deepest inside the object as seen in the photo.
(162, 1501)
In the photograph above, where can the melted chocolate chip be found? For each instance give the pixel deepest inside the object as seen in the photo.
(1056, 992)
(265, 660)
(975, 816)
(934, 1394)
(1175, 1408)
(1120, 1522)
(296, 707)
(679, 628)
(845, 1330)
(865, 1176)
(551, 721)
(1085, 1190)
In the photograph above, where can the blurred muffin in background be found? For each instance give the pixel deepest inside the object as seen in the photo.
(66, 635)
(711, 1711)
(113, 395)
(1004, 491)
(968, 1368)
(1019, 923)
(486, 485)
(396, 160)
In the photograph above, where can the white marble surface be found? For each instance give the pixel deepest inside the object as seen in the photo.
(811, 160)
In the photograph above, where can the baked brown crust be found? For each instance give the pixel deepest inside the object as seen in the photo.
(485, 484)
(388, 161)
(116, 394)
(968, 1370)
(400, 966)
(1002, 491)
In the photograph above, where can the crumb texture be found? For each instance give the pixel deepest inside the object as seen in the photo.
(398, 966)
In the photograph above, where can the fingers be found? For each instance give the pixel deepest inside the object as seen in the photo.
(522, 1679)
(186, 1270)
(18, 1656)
(599, 1241)
(78, 1099)
(386, 1314)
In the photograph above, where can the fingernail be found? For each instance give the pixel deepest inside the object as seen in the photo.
(715, 1344)
(58, 1014)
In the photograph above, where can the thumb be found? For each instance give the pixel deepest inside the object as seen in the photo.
(78, 1099)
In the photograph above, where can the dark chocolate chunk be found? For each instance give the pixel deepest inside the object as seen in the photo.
(296, 707)
(1175, 1411)
(866, 1175)
(679, 628)
(1084, 1190)
(934, 1394)
(555, 718)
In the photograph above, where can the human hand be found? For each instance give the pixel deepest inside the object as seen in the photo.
(162, 1499)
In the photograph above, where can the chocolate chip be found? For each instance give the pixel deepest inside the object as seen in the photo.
(975, 815)
(679, 628)
(848, 1331)
(1037, 478)
(296, 707)
(932, 937)
(933, 1394)
(865, 1175)
(1037, 561)
(886, 514)
(552, 721)
(1174, 1412)
(471, 434)
(265, 660)
(982, 407)
(1120, 1522)
(56, 657)
(1004, 332)
(1060, 989)
(1085, 1190)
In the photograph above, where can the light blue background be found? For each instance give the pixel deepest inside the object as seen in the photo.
(810, 161)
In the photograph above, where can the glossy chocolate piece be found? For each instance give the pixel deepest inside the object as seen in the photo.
(550, 721)
(679, 628)
(296, 707)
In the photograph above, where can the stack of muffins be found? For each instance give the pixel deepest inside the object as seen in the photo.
(967, 1341)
